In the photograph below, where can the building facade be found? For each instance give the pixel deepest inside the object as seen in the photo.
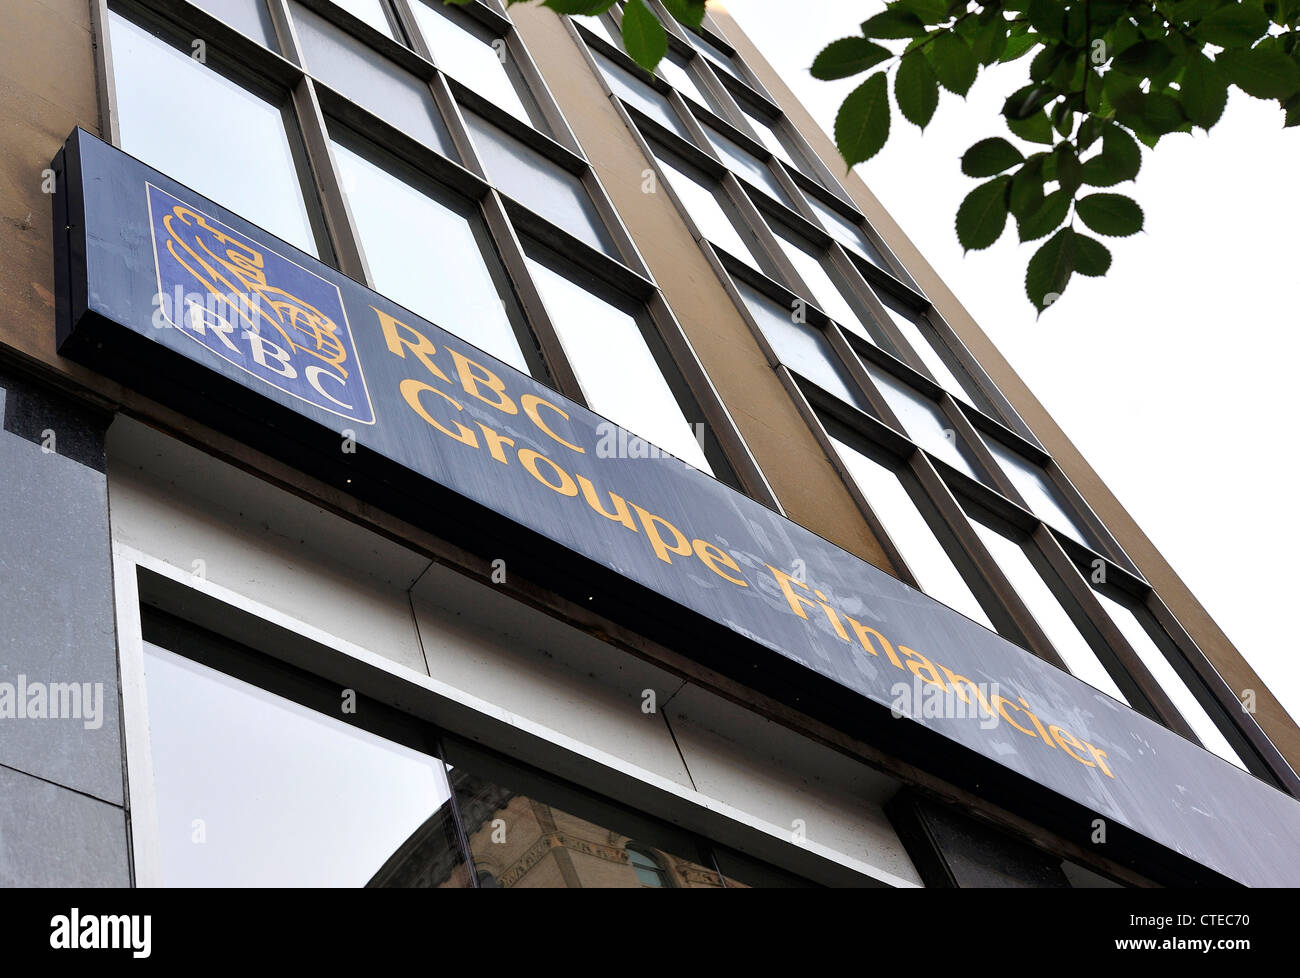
(437, 453)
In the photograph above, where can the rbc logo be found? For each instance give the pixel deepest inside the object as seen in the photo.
(256, 309)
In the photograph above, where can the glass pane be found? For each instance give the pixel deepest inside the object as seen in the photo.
(539, 184)
(801, 347)
(846, 232)
(1044, 499)
(425, 256)
(825, 293)
(714, 54)
(469, 59)
(158, 84)
(745, 165)
(256, 790)
(920, 343)
(703, 207)
(246, 16)
(369, 11)
(767, 135)
(924, 422)
(617, 370)
(638, 93)
(599, 26)
(1055, 621)
(1160, 667)
(925, 556)
(521, 840)
(677, 74)
(371, 80)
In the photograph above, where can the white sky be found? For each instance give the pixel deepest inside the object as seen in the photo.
(1173, 374)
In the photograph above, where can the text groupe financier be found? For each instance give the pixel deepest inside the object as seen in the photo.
(479, 382)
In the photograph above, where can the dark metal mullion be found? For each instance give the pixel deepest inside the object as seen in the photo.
(1250, 741)
(1076, 501)
(964, 429)
(766, 238)
(1010, 615)
(861, 290)
(1145, 694)
(457, 816)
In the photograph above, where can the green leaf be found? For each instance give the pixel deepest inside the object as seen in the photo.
(1144, 59)
(930, 11)
(578, 8)
(1292, 107)
(1150, 114)
(989, 157)
(1024, 102)
(1091, 257)
(644, 37)
(954, 63)
(1050, 269)
(688, 12)
(862, 124)
(989, 41)
(846, 57)
(893, 23)
(983, 214)
(1047, 218)
(1119, 160)
(1111, 214)
(1204, 91)
(1233, 25)
(1036, 129)
(1026, 195)
(1068, 172)
(1019, 45)
(1048, 18)
(1261, 72)
(917, 89)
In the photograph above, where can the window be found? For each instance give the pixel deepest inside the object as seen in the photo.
(158, 87)
(246, 16)
(647, 867)
(615, 366)
(279, 794)
(539, 184)
(637, 93)
(745, 165)
(678, 74)
(846, 232)
(1127, 621)
(471, 58)
(768, 136)
(371, 80)
(369, 11)
(714, 54)
(926, 558)
(801, 347)
(825, 293)
(924, 422)
(1054, 620)
(906, 322)
(700, 202)
(1044, 499)
(428, 255)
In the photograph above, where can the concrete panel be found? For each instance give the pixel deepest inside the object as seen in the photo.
(50, 836)
(177, 504)
(492, 646)
(58, 654)
(781, 777)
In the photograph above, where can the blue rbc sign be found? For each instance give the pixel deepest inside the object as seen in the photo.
(255, 308)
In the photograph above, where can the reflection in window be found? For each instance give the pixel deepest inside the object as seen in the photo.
(1126, 620)
(369, 11)
(468, 58)
(280, 795)
(801, 347)
(157, 85)
(619, 375)
(372, 81)
(1054, 620)
(825, 293)
(745, 165)
(636, 92)
(924, 422)
(647, 867)
(539, 184)
(700, 203)
(925, 556)
(1043, 497)
(426, 256)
